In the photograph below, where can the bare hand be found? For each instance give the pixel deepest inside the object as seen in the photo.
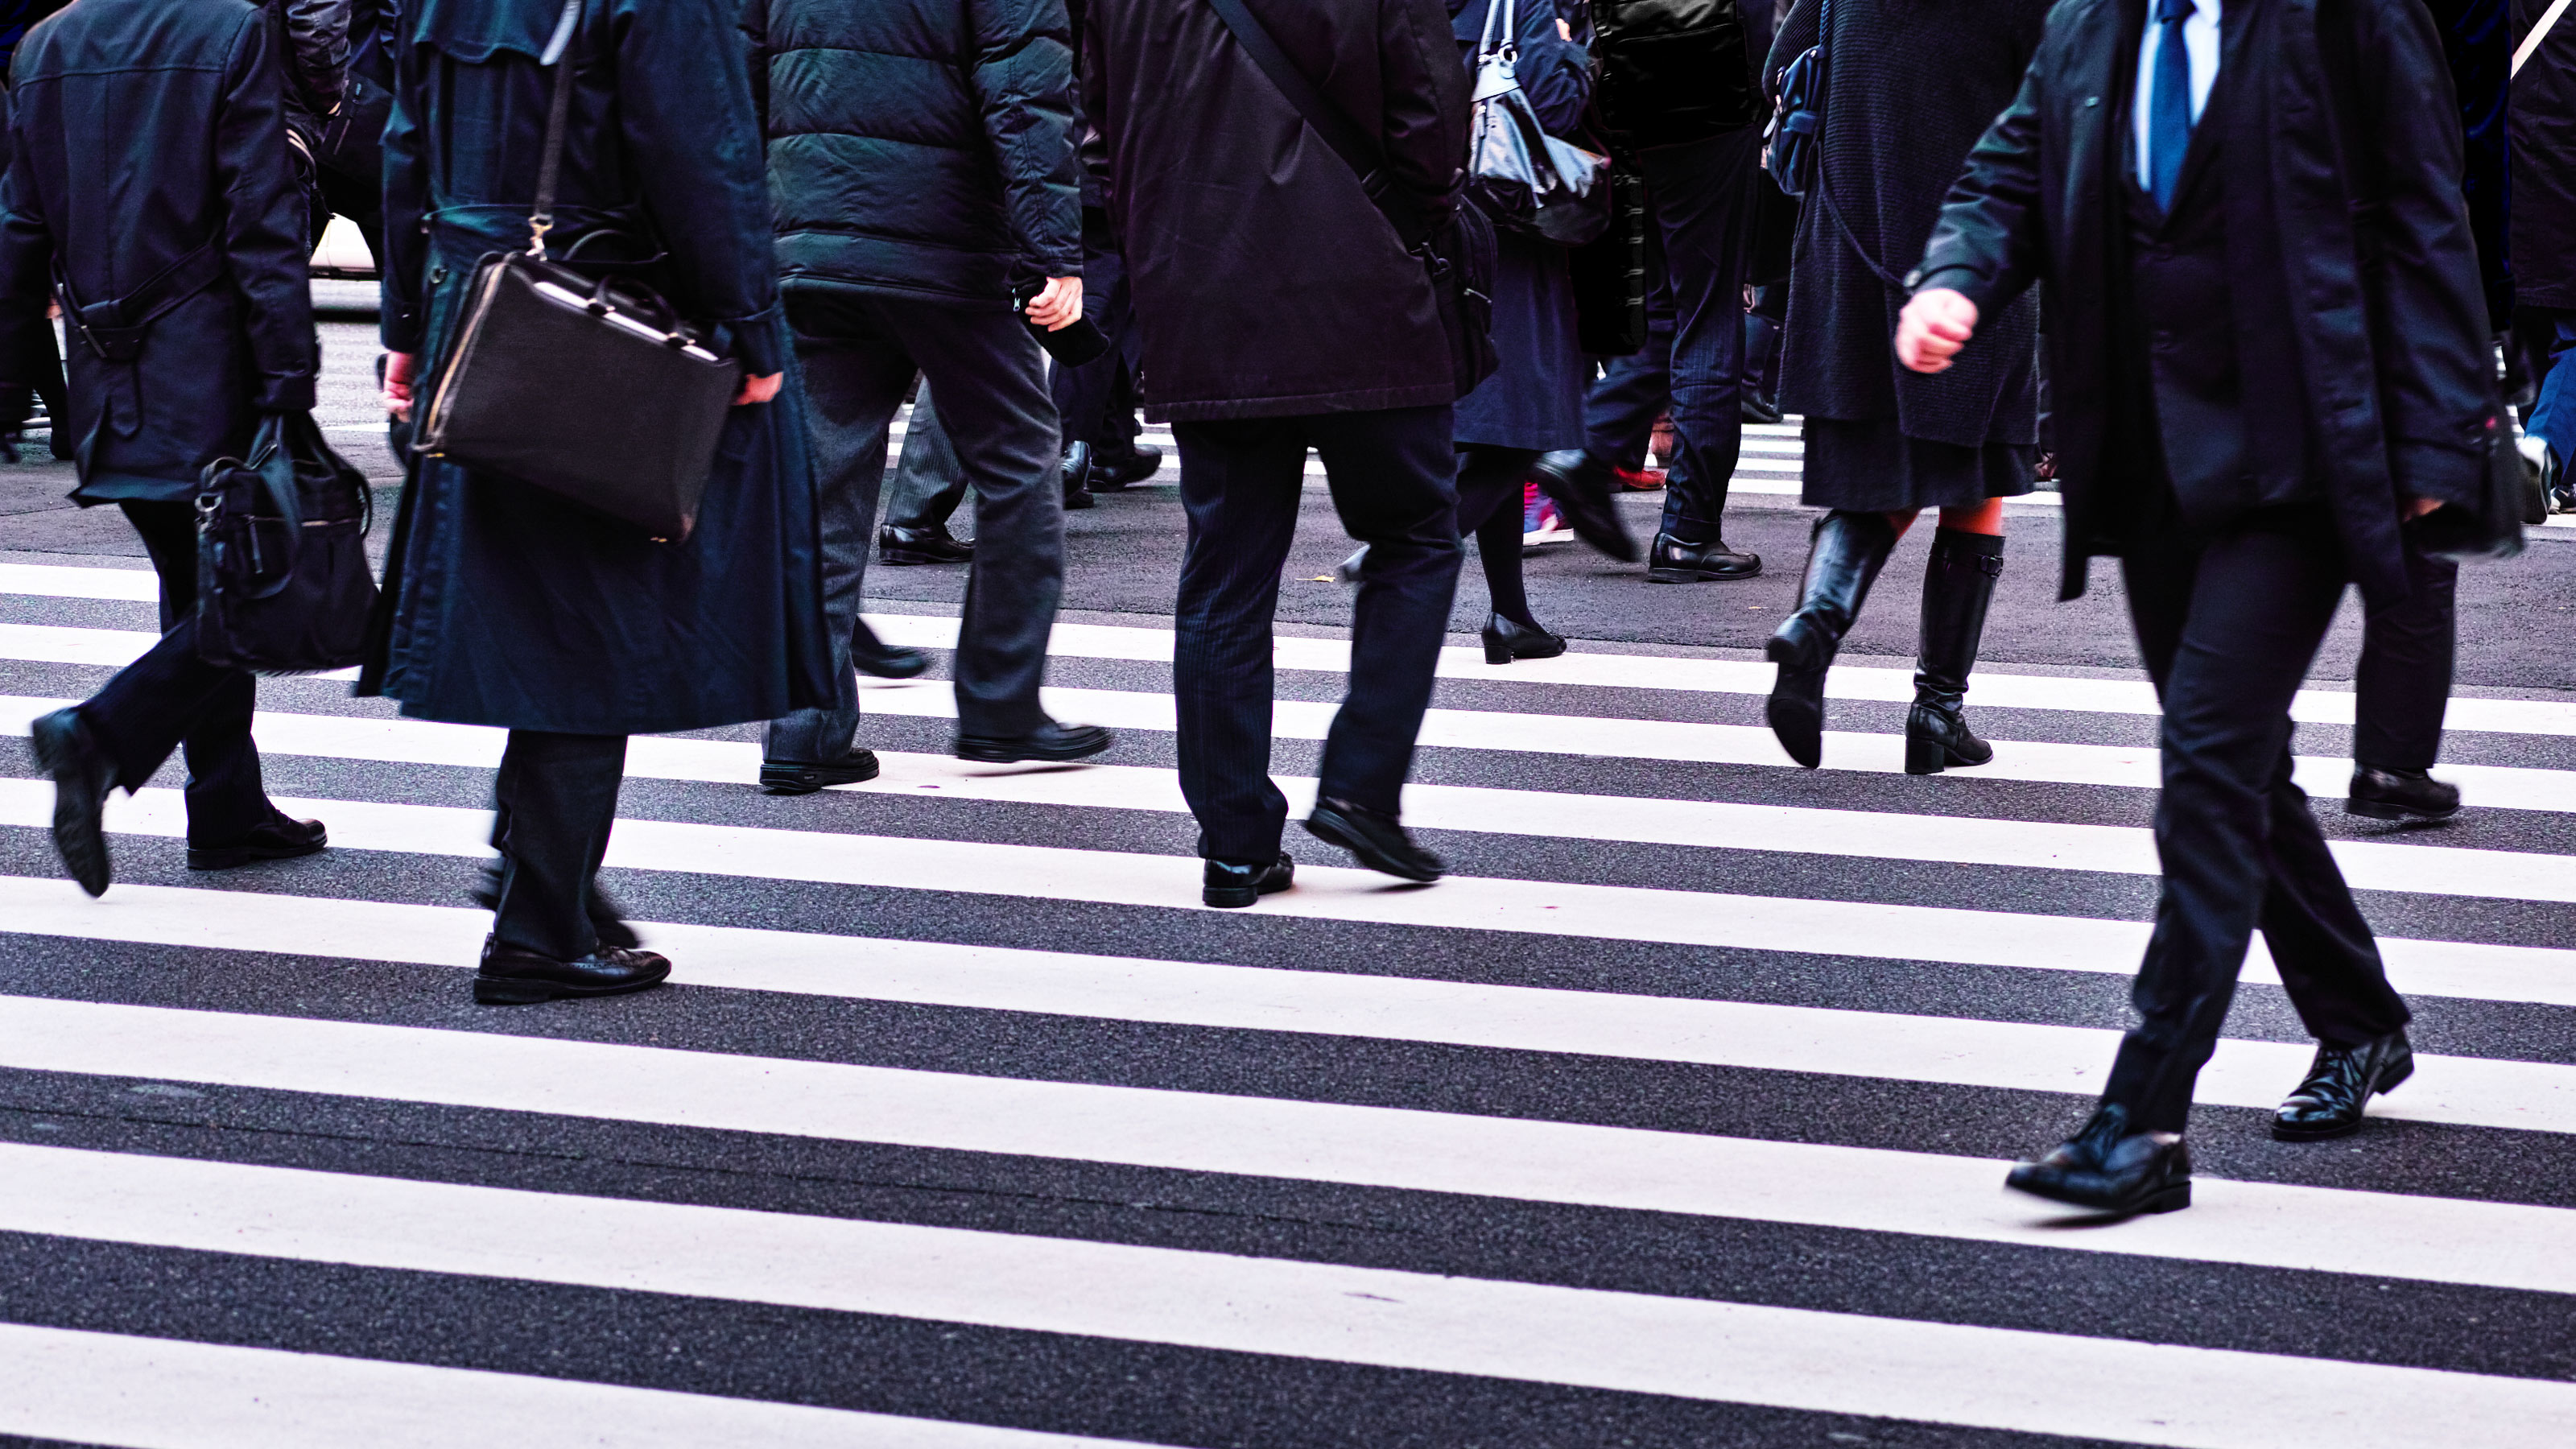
(2418, 507)
(759, 389)
(398, 376)
(1059, 306)
(1932, 329)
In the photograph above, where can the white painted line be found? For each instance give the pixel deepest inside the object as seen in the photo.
(1853, 834)
(1624, 1342)
(1991, 689)
(160, 1393)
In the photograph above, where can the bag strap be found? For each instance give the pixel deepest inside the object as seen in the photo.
(541, 218)
(1824, 183)
(1356, 148)
(2539, 33)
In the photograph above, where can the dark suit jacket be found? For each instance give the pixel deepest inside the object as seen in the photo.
(2389, 327)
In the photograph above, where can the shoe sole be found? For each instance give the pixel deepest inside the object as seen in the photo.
(1697, 576)
(1235, 898)
(1368, 855)
(2373, 810)
(905, 558)
(2172, 1198)
(987, 756)
(1505, 653)
(516, 991)
(2281, 1133)
(234, 857)
(808, 785)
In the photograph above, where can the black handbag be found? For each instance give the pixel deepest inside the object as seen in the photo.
(2490, 527)
(283, 585)
(1524, 178)
(592, 391)
(1458, 256)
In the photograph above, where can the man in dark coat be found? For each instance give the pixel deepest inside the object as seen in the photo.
(513, 607)
(2541, 116)
(2263, 362)
(921, 173)
(1281, 311)
(153, 193)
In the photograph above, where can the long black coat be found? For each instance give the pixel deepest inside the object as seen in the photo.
(1266, 282)
(921, 148)
(1915, 83)
(144, 130)
(2394, 384)
(2542, 118)
(511, 607)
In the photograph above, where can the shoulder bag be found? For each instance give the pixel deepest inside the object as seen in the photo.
(1458, 256)
(282, 580)
(595, 393)
(1524, 178)
(1794, 142)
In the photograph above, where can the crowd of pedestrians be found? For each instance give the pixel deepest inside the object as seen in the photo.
(2227, 274)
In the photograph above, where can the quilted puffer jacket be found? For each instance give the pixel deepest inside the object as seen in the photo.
(919, 148)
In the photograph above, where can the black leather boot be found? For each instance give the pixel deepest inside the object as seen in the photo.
(1507, 640)
(1846, 555)
(2340, 1082)
(1956, 591)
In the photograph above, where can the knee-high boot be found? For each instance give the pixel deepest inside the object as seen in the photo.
(1956, 591)
(1848, 550)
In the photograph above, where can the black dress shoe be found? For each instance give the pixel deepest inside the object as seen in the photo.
(1076, 475)
(1580, 484)
(1676, 562)
(1758, 409)
(607, 922)
(2400, 795)
(1509, 639)
(1111, 472)
(1049, 741)
(83, 774)
(2340, 1082)
(1376, 837)
(512, 977)
(794, 777)
(1229, 886)
(876, 658)
(278, 839)
(898, 545)
(2106, 1168)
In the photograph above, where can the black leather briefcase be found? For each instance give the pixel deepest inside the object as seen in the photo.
(588, 389)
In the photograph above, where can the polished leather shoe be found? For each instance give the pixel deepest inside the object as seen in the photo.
(1580, 484)
(2106, 1168)
(1758, 409)
(897, 545)
(2400, 795)
(83, 774)
(795, 777)
(1376, 837)
(1675, 562)
(1076, 477)
(1509, 639)
(1228, 886)
(607, 922)
(278, 839)
(877, 659)
(512, 977)
(1050, 741)
(2340, 1082)
(1111, 472)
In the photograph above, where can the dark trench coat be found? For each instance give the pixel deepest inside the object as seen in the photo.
(145, 131)
(508, 606)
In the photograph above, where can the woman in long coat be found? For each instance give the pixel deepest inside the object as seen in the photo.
(510, 606)
(1915, 83)
(1533, 403)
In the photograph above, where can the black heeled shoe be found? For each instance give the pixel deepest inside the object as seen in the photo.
(1508, 639)
(1957, 588)
(1847, 552)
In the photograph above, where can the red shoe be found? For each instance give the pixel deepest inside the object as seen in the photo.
(1639, 480)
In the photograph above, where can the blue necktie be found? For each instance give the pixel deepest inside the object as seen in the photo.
(2169, 104)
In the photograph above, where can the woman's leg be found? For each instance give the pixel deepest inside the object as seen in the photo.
(1489, 506)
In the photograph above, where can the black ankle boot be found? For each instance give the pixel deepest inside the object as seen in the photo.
(1848, 550)
(1956, 590)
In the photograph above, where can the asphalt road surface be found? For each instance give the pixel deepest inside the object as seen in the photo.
(1677, 1117)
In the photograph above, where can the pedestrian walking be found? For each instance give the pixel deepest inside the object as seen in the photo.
(2284, 187)
(1913, 83)
(1281, 310)
(1679, 93)
(975, 167)
(513, 607)
(178, 252)
(2541, 239)
(1534, 402)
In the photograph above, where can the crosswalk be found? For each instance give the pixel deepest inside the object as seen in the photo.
(1677, 1117)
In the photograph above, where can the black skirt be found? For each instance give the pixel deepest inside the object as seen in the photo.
(1870, 467)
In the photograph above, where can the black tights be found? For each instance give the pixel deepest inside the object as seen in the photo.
(1489, 506)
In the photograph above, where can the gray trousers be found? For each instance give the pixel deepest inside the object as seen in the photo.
(929, 482)
(859, 353)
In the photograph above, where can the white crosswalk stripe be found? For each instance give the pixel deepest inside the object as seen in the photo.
(834, 956)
